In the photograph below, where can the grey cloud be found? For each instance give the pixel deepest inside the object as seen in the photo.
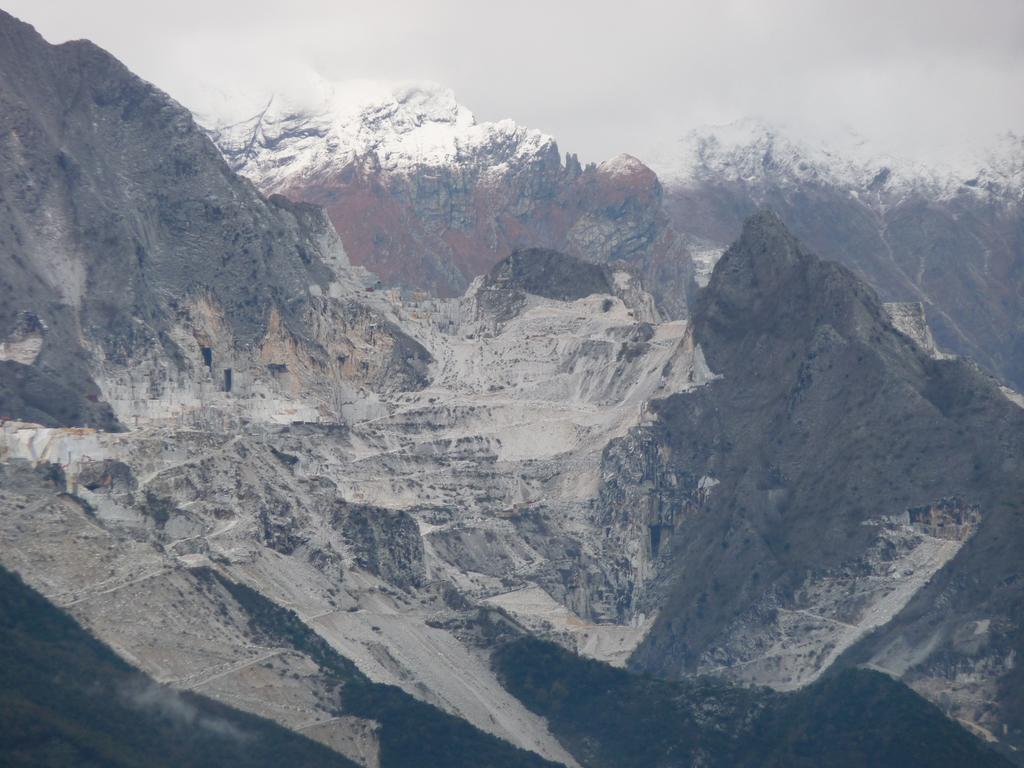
(171, 705)
(914, 76)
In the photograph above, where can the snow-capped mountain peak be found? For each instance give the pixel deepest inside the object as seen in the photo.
(401, 125)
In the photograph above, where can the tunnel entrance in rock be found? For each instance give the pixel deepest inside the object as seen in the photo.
(207, 357)
(227, 379)
(655, 540)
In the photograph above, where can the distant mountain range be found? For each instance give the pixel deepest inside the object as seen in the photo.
(950, 239)
(424, 195)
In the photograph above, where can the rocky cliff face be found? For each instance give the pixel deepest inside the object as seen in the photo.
(147, 265)
(806, 543)
(425, 196)
(950, 239)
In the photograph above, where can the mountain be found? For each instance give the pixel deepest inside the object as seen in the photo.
(145, 283)
(948, 237)
(783, 547)
(426, 196)
(409, 535)
(136, 261)
(258, 474)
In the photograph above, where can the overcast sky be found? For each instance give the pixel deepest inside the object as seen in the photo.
(914, 76)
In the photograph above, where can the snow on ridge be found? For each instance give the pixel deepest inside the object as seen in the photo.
(403, 125)
(623, 165)
(322, 126)
(752, 150)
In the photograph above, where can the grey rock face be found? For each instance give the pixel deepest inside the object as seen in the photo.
(385, 542)
(827, 429)
(51, 397)
(643, 499)
(108, 476)
(126, 235)
(506, 290)
(502, 292)
(550, 274)
(909, 318)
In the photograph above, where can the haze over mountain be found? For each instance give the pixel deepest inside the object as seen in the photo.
(474, 465)
(950, 237)
(919, 78)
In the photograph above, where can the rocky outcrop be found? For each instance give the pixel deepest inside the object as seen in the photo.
(643, 499)
(549, 274)
(107, 476)
(809, 544)
(385, 542)
(53, 398)
(502, 293)
(530, 276)
(909, 318)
